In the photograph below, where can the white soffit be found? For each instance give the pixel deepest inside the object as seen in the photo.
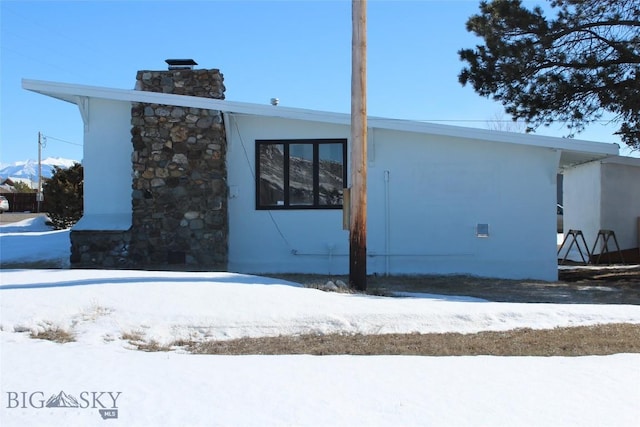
(574, 151)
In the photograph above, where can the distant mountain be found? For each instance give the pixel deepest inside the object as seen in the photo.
(28, 170)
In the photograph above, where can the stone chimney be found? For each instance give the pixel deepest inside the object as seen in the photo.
(182, 79)
(179, 196)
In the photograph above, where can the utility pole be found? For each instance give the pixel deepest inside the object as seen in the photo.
(358, 193)
(39, 193)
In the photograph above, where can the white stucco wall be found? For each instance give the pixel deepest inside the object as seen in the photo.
(107, 166)
(604, 195)
(581, 197)
(441, 188)
(425, 197)
(264, 241)
(621, 199)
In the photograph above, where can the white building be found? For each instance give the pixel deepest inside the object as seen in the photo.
(441, 199)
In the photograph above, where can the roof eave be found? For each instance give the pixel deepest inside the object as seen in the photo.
(71, 92)
(74, 93)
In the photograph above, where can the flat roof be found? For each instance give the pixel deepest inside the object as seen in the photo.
(574, 151)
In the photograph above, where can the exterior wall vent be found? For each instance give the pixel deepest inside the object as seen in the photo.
(482, 230)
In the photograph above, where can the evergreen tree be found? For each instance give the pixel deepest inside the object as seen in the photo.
(575, 67)
(63, 195)
(22, 187)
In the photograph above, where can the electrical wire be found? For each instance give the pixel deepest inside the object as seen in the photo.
(246, 156)
(61, 140)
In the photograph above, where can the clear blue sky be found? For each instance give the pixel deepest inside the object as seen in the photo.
(298, 51)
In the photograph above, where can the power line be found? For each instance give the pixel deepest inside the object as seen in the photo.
(483, 120)
(61, 140)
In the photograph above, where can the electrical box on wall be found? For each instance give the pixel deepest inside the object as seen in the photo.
(346, 208)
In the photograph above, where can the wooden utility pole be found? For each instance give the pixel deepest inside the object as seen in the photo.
(358, 193)
(39, 193)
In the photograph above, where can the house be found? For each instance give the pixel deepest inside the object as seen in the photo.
(175, 174)
(7, 186)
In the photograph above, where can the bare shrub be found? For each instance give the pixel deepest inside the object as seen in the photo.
(573, 341)
(55, 334)
(139, 342)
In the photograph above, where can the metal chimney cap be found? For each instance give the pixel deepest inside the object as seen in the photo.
(181, 64)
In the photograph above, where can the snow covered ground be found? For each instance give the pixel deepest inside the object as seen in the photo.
(31, 240)
(100, 380)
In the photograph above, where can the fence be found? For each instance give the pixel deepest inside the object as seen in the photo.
(24, 202)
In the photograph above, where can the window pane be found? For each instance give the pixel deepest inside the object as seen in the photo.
(271, 174)
(297, 174)
(331, 170)
(301, 174)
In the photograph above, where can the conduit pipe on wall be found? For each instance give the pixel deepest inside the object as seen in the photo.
(331, 247)
(374, 255)
(387, 223)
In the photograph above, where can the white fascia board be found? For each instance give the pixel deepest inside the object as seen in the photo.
(568, 144)
(73, 93)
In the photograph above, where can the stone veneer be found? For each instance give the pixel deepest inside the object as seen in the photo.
(179, 190)
(100, 249)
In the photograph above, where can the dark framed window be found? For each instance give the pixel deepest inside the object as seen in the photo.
(300, 173)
